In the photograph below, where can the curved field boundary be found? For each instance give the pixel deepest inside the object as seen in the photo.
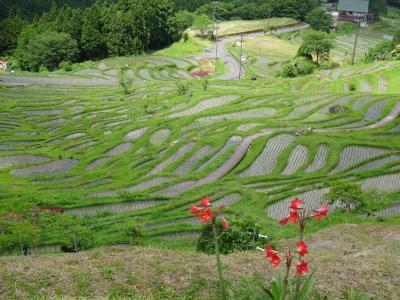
(231, 142)
(175, 189)
(341, 101)
(265, 163)
(355, 154)
(247, 127)
(375, 111)
(394, 113)
(76, 135)
(365, 86)
(320, 159)
(205, 104)
(384, 183)
(148, 184)
(50, 112)
(111, 208)
(135, 134)
(393, 210)
(11, 161)
(119, 149)
(247, 114)
(97, 163)
(296, 160)
(56, 167)
(304, 109)
(226, 201)
(160, 137)
(378, 163)
(191, 161)
(311, 201)
(174, 157)
(361, 102)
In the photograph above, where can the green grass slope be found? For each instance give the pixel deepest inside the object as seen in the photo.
(359, 256)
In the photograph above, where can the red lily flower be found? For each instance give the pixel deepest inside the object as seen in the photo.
(206, 215)
(205, 202)
(195, 210)
(294, 217)
(225, 224)
(320, 213)
(302, 248)
(284, 221)
(302, 268)
(296, 204)
(273, 255)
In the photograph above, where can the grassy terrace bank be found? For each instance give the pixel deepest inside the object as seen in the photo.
(344, 255)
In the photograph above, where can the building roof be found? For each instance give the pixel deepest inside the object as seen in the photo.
(360, 6)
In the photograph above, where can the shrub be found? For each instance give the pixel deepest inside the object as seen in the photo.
(238, 237)
(379, 52)
(290, 71)
(352, 87)
(48, 49)
(185, 37)
(66, 66)
(124, 81)
(300, 66)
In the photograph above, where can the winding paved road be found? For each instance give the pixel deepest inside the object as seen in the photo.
(230, 61)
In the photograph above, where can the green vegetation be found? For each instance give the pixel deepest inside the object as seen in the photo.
(139, 273)
(319, 19)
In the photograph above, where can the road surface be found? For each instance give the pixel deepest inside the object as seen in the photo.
(233, 65)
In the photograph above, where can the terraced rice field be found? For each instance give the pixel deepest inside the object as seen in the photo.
(145, 157)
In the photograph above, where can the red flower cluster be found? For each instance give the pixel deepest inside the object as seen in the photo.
(296, 215)
(206, 214)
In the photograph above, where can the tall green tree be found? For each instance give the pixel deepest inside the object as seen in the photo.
(10, 28)
(378, 7)
(203, 24)
(347, 194)
(93, 41)
(47, 49)
(316, 43)
(319, 19)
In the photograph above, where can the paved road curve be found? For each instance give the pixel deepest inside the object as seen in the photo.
(231, 62)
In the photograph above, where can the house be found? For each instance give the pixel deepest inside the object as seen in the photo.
(348, 9)
(4, 65)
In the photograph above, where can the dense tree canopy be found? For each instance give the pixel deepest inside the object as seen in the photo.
(319, 19)
(48, 50)
(127, 27)
(316, 43)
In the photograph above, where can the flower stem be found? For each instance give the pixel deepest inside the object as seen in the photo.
(285, 282)
(219, 265)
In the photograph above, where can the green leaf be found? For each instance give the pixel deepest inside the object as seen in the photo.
(306, 288)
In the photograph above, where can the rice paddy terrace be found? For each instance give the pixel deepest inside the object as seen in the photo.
(146, 156)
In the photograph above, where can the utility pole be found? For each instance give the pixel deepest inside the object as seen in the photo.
(358, 20)
(241, 54)
(215, 29)
(269, 12)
